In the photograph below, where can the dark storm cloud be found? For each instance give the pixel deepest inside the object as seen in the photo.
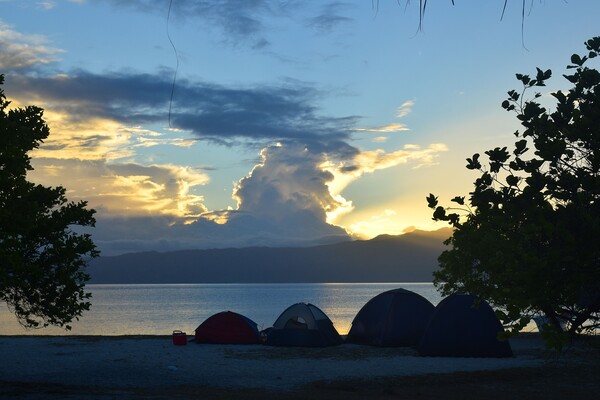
(212, 112)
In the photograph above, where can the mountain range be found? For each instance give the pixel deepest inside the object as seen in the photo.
(410, 257)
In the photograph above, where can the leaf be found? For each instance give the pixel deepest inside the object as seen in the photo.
(523, 78)
(512, 180)
(593, 44)
(498, 157)
(440, 214)
(454, 218)
(432, 201)
(540, 77)
(520, 147)
(459, 199)
(473, 163)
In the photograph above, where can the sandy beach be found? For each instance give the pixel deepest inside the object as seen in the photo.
(151, 367)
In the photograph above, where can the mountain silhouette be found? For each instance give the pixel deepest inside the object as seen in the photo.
(411, 257)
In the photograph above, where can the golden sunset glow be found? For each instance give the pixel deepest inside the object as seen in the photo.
(270, 124)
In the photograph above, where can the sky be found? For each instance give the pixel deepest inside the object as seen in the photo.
(233, 123)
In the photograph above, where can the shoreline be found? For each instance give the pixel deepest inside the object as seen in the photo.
(133, 364)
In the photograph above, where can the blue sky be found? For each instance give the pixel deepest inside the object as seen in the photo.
(291, 122)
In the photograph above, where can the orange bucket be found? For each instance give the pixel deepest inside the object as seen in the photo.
(179, 338)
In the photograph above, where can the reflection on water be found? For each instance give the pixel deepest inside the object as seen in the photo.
(160, 309)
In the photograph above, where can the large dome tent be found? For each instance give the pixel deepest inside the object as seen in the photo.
(463, 326)
(227, 327)
(396, 317)
(303, 325)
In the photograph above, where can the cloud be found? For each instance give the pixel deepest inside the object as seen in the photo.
(405, 109)
(252, 23)
(97, 122)
(401, 112)
(124, 234)
(95, 138)
(380, 139)
(282, 202)
(291, 197)
(46, 5)
(394, 127)
(330, 17)
(240, 21)
(286, 195)
(291, 178)
(23, 52)
(126, 189)
(367, 162)
(217, 113)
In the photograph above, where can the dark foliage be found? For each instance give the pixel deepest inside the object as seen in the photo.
(528, 238)
(42, 260)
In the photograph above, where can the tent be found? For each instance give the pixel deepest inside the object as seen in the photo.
(227, 327)
(303, 325)
(463, 326)
(397, 317)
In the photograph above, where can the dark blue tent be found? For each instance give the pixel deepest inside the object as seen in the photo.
(303, 325)
(397, 317)
(462, 326)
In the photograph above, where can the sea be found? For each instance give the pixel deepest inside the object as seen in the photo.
(163, 308)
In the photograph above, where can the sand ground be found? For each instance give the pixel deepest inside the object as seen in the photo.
(136, 367)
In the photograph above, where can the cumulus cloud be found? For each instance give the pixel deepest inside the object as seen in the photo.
(291, 197)
(295, 193)
(288, 183)
(88, 157)
(285, 196)
(96, 138)
(284, 201)
(97, 123)
(126, 189)
(23, 52)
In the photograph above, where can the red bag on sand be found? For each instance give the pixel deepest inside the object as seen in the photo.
(179, 338)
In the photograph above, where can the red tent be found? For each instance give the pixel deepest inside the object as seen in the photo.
(227, 327)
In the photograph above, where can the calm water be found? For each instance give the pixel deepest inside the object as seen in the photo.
(160, 309)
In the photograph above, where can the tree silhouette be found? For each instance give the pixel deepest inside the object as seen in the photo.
(41, 259)
(528, 237)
